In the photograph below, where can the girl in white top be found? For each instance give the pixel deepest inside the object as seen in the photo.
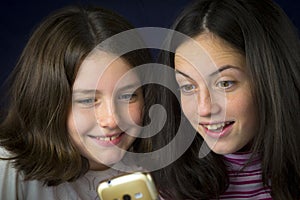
(72, 114)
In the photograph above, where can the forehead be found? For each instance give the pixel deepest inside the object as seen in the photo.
(103, 69)
(207, 52)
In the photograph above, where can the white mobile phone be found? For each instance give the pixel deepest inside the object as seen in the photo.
(133, 186)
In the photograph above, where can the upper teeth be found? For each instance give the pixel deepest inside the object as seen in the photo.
(217, 126)
(107, 138)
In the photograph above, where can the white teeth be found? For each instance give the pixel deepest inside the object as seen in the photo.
(106, 139)
(215, 127)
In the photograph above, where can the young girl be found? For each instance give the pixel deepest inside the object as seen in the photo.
(75, 108)
(239, 80)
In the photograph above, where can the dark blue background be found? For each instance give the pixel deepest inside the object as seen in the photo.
(19, 18)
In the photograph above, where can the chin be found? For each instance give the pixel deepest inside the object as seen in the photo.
(221, 150)
(113, 160)
(110, 159)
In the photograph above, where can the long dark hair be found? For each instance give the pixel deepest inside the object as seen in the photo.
(34, 130)
(263, 33)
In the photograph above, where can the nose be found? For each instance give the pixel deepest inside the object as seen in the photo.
(207, 106)
(105, 115)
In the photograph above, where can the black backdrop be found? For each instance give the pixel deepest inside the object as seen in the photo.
(18, 19)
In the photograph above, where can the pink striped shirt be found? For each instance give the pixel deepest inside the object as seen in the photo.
(245, 184)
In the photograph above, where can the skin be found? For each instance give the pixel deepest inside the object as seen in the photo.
(215, 89)
(106, 111)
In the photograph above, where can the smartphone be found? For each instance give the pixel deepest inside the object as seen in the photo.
(133, 186)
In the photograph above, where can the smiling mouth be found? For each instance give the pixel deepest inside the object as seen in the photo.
(106, 138)
(217, 127)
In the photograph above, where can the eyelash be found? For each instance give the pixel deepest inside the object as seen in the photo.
(189, 91)
(128, 97)
(87, 102)
(132, 97)
(192, 88)
(231, 84)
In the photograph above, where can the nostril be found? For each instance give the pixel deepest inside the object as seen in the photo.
(106, 121)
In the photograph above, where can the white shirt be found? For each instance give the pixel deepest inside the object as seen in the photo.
(13, 186)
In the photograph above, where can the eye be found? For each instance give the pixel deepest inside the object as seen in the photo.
(225, 84)
(87, 102)
(127, 97)
(187, 89)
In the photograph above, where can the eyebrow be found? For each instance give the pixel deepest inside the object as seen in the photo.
(130, 86)
(222, 68)
(82, 91)
(126, 87)
(183, 74)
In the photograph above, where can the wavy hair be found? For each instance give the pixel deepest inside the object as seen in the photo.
(34, 130)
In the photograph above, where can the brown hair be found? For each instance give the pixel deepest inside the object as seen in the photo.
(40, 96)
(264, 34)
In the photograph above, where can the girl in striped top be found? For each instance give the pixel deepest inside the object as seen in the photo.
(246, 183)
(238, 69)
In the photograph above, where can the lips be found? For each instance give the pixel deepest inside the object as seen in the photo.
(108, 140)
(217, 129)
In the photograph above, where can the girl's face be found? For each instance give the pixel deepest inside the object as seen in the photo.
(215, 93)
(106, 111)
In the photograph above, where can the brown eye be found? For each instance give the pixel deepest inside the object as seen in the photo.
(187, 89)
(225, 84)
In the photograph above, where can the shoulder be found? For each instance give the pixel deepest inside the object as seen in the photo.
(4, 153)
(13, 186)
(8, 177)
(5, 165)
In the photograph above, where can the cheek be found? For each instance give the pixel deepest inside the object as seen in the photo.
(130, 114)
(189, 107)
(73, 131)
(245, 110)
(251, 115)
(136, 113)
(79, 123)
(248, 121)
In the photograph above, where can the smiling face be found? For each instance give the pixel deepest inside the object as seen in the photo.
(106, 111)
(215, 93)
